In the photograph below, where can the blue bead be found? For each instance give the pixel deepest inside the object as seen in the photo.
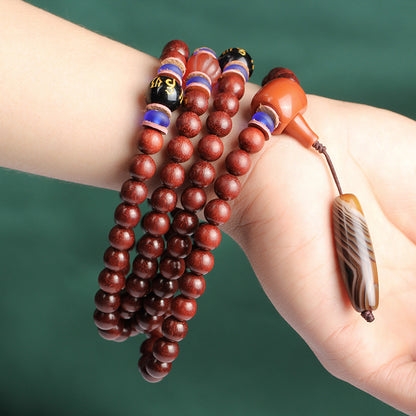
(239, 68)
(157, 117)
(198, 80)
(204, 49)
(171, 67)
(265, 119)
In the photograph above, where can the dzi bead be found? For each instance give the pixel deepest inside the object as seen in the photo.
(166, 91)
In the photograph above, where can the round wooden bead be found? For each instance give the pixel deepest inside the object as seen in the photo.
(188, 124)
(116, 260)
(106, 321)
(150, 246)
(111, 334)
(178, 245)
(202, 174)
(144, 267)
(172, 175)
(163, 199)
(180, 149)
(150, 141)
(156, 305)
(124, 314)
(165, 288)
(217, 212)
(136, 286)
(183, 308)
(227, 102)
(227, 187)
(178, 46)
(156, 223)
(238, 162)
(207, 237)
(148, 322)
(195, 101)
(156, 368)
(164, 350)
(185, 223)
(210, 147)
(147, 345)
(233, 84)
(200, 261)
(127, 215)
(142, 167)
(130, 303)
(107, 302)
(193, 199)
(142, 368)
(171, 267)
(121, 238)
(192, 285)
(133, 192)
(125, 333)
(174, 329)
(110, 281)
(219, 123)
(251, 139)
(157, 332)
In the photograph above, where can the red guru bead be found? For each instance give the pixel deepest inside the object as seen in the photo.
(142, 167)
(210, 147)
(163, 287)
(172, 175)
(251, 139)
(188, 124)
(195, 101)
(150, 141)
(171, 267)
(227, 187)
(238, 162)
(163, 199)
(156, 223)
(150, 246)
(219, 123)
(193, 199)
(136, 286)
(121, 238)
(107, 302)
(164, 350)
(133, 192)
(174, 329)
(110, 281)
(227, 102)
(207, 237)
(200, 261)
(144, 268)
(185, 223)
(192, 285)
(202, 174)
(183, 308)
(180, 149)
(217, 212)
(116, 260)
(127, 215)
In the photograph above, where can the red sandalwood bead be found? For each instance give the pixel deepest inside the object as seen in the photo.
(144, 267)
(125, 333)
(164, 350)
(210, 147)
(116, 260)
(142, 368)
(111, 334)
(133, 192)
(127, 215)
(180, 149)
(185, 223)
(192, 285)
(107, 302)
(238, 162)
(178, 245)
(227, 187)
(173, 54)
(156, 305)
(219, 123)
(183, 308)
(150, 246)
(171, 267)
(200, 261)
(163, 199)
(178, 46)
(207, 237)
(148, 322)
(174, 329)
(121, 238)
(188, 124)
(172, 175)
(227, 102)
(156, 368)
(150, 141)
(124, 314)
(165, 288)
(130, 303)
(147, 345)
(251, 139)
(142, 167)
(193, 199)
(196, 101)
(202, 174)
(156, 223)
(136, 286)
(217, 212)
(233, 84)
(110, 281)
(106, 321)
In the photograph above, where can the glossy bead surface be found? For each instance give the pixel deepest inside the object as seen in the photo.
(174, 329)
(164, 350)
(156, 305)
(185, 223)
(195, 101)
(201, 174)
(121, 238)
(142, 368)
(219, 123)
(150, 246)
(233, 84)
(163, 199)
(279, 72)
(127, 215)
(133, 192)
(111, 334)
(149, 141)
(107, 302)
(238, 162)
(166, 91)
(188, 124)
(206, 63)
(156, 368)
(200, 261)
(210, 147)
(110, 281)
(142, 167)
(178, 46)
(147, 345)
(251, 139)
(172, 175)
(227, 187)
(178, 245)
(227, 102)
(144, 267)
(136, 286)
(171, 267)
(207, 237)
(125, 333)
(106, 321)
(180, 149)
(148, 322)
(183, 308)
(217, 212)
(193, 199)
(156, 223)
(116, 260)
(236, 54)
(192, 285)
(163, 287)
(124, 314)
(130, 303)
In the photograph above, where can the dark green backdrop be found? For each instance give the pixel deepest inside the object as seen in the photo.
(240, 356)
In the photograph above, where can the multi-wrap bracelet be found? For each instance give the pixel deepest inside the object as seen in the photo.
(174, 253)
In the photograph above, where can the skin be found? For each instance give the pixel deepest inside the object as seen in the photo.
(71, 111)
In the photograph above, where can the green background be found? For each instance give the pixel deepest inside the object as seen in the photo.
(240, 356)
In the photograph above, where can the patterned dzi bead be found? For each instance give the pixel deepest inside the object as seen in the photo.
(166, 91)
(237, 54)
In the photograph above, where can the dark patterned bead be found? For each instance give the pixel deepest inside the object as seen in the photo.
(193, 199)
(236, 54)
(142, 368)
(136, 286)
(227, 102)
(164, 288)
(238, 162)
(107, 302)
(149, 141)
(188, 124)
(180, 149)
(163, 199)
(196, 101)
(156, 368)
(156, 305)
(116, 260)
(150, 246)
(227, 187)
(185, 223)
(156, 223)
(106, 321)
(233, 84)
(164, 350)
(202, 174)
(166, 91)
(179, 245)
(111, 334)
(133, 192)
(110, 281)
(207, 237)
(121, 238)
(172, 175)
(192, 285)
(174, 329)
(251, 139)
(144, 267)
(200, 261)
(217, 212)
(178, 46)
(148, 322)
(219, 123)
(183, 308)
(210, 147)
(142, 167)
(130, 303)
(171, 267)
(127, 215)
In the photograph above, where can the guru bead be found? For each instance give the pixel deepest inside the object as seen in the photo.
(166, 91)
